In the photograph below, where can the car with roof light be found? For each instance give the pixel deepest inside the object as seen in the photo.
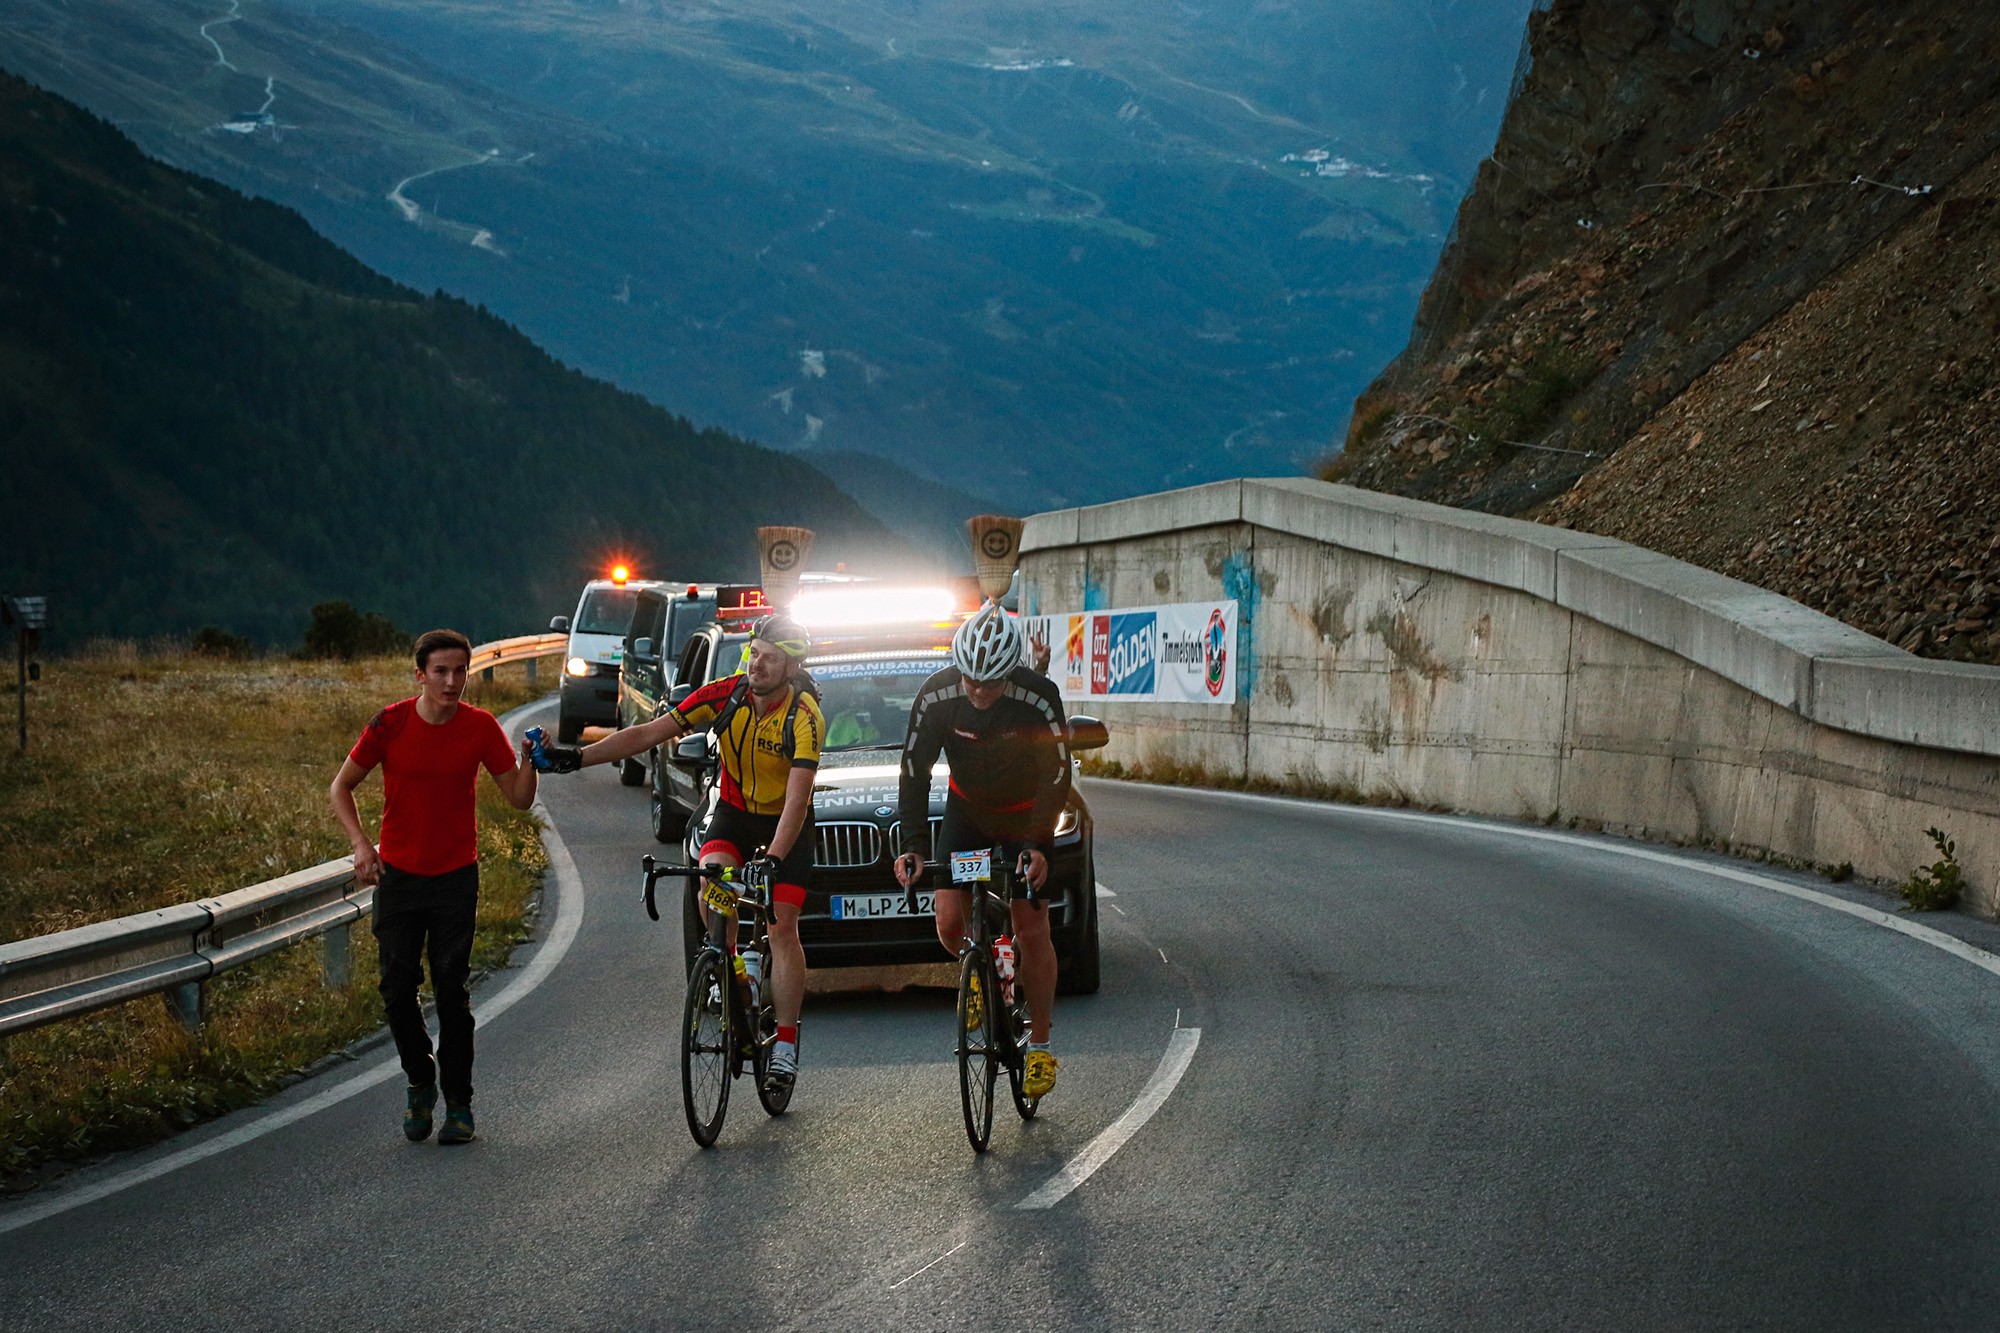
(872, 649)
(596, 649)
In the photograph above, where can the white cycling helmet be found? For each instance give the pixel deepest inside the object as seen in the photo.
(988, 646)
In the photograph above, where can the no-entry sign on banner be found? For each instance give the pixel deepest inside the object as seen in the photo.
(1184, 653)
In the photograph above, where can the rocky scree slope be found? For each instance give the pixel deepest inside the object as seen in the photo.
(1727, 289)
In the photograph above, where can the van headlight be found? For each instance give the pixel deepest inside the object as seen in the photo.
(1067, 821)
(576, 666)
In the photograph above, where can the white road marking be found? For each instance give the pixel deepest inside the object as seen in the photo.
(569, 918)
(1163, 955)
(1937, 939)
(1180, 1051)
(929, 1266)
(1116, 908)
(1103, 892)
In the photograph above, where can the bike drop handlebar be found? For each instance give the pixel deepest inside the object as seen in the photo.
(910, 891)
(656, 871)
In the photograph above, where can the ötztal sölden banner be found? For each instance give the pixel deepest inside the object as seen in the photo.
(1184, 653)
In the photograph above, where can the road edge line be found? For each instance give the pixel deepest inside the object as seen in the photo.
(569, 920)
(1174, 1063)
(1937, 939)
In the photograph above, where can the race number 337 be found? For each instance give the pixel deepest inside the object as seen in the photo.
(971, 867)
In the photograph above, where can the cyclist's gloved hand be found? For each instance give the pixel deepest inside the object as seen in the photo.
(562, 758)
(763, 870)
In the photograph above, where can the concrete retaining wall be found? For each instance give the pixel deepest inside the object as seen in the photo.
(1484, 664)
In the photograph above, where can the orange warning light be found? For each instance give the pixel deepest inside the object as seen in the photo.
(619, 573)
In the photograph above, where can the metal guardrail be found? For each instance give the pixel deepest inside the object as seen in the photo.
(528, 648)
(172, 951)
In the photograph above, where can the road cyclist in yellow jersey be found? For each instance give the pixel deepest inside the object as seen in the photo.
(769, 731)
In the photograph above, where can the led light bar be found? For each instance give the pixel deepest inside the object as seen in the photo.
(866, 607)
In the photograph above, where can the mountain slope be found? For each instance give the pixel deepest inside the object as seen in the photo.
(1118, 246)
(1725, 291)
(214, 415)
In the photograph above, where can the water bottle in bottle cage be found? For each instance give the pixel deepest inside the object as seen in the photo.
(1003, 961)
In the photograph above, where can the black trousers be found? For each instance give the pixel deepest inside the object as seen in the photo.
(415, 914)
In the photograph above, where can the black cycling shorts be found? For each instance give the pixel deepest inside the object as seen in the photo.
(734, 830)
(962, 833)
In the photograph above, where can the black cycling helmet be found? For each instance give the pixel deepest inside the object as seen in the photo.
(782, 632)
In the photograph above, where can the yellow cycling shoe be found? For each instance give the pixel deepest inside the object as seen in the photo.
(1041, 1076)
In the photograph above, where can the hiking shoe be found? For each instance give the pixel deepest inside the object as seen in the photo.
(783, 1071)
(1041, 1075)
(417, 1118)
(457, 1125)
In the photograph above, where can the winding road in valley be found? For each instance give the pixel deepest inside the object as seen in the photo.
(1350, 1068)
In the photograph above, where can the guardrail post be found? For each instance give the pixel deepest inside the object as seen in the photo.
(531, 671)
(487, 675)
(336, 956)
(186, 1003)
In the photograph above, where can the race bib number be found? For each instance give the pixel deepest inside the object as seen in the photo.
(972, 867)
(719, 896)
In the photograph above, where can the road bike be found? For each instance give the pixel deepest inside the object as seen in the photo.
(992, 1007)
(728, 1023)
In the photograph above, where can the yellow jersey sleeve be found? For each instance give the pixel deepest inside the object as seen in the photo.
(808, 733)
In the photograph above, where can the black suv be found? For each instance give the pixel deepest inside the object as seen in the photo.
(855, 914)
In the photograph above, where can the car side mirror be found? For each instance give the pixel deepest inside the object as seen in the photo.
(559, 624)
(691, 752)
(680, 692)
(1087, 733)
(643, 649)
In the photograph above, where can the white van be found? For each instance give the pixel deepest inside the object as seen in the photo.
(596, 650)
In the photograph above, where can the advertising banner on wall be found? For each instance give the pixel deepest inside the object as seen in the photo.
(1184, 653)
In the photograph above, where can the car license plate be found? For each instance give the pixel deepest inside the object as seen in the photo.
(871, 906)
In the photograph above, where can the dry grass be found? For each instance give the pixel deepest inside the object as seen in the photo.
(153, 779)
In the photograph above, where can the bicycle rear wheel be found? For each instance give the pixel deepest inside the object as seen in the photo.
(978, 1027)
(705, 1047)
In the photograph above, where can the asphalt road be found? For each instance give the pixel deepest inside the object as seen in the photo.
(1449, 1076)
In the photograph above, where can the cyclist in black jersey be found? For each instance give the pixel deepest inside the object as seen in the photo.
(1001, 727)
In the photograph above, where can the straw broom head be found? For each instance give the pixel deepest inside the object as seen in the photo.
(996, 549)
(781, 555)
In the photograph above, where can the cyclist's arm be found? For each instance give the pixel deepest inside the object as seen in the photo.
(1050, 742)
(798, 800)
(922, 743)
(662, 730)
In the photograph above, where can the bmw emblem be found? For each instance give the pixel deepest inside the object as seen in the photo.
(885, 810)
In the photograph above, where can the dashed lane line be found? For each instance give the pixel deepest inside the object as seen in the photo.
(1180, 1052)
(569, 918)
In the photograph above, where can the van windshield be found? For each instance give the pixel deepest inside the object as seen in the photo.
(606, 611)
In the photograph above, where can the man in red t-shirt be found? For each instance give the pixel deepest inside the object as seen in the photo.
(431, 749)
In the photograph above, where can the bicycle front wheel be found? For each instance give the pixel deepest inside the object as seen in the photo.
(978, 1054)
(705, 1047)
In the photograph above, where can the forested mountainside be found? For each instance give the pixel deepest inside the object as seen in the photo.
(1051, 251)
(1729, 288)
(214, 415)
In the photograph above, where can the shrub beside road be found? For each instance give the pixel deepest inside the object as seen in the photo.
(155, 778)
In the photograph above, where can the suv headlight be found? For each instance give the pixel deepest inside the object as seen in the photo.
(576, 666)
(1067, 821)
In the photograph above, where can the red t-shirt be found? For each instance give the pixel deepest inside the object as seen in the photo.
(428, 772)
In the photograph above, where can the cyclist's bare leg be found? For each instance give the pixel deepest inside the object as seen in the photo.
(1035, 964)
(951, 906)
(788, 964)
(708, 914)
